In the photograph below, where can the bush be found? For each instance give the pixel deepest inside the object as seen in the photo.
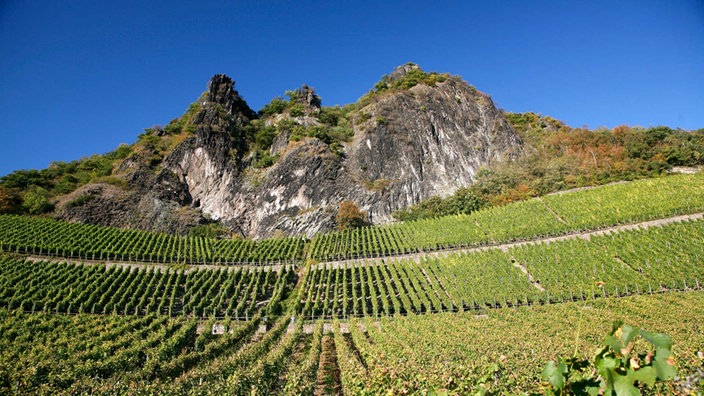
(210, 230)
(264, 137)
(276, 106)
(80, 201)
(464, 200)
(330, 115)
(349, 216)
(10, 201)
(296, 110)
(36, 201)
(263, 159)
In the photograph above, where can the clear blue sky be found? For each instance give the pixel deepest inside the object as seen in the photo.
(80, 77)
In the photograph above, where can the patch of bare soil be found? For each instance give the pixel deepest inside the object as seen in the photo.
(328, 371)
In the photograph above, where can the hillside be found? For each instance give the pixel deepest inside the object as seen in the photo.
(102, 310)
(239, 252)
(287, 169)
(418, 145)
(131, 188)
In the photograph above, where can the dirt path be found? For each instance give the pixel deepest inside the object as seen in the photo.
(530, 277)
(557, 216)
(329, 382)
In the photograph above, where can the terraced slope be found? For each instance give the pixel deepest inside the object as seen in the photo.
(611, 264)
(560, 214)
(492, 315)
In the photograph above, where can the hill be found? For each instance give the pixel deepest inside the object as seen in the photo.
(287, 169)
(91, 309)
(418, 145)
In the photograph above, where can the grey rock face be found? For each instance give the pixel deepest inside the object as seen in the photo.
(408, 145)
(426, 141)
(400, 71)
(306, 96)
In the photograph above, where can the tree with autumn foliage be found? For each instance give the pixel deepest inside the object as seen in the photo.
(349, 216)
(10, 201)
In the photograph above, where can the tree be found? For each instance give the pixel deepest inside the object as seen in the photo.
(36, 200)
(349, 216)
(10, 201)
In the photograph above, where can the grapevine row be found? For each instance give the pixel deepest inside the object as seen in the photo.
(47, 237)
(503, 352)
(78, 288)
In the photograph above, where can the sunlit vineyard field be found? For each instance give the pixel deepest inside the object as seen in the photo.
(614, 264)
(536, 218)
(46, 237)
(505, 349)
(77, 288)
(454, 305)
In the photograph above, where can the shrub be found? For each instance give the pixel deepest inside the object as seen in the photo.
(10, 201)
(264, 137)
(276, 106)
(210, 230)
(36, 201)
(296, 110)
(349, 216)
(80, 201)
(263, 159)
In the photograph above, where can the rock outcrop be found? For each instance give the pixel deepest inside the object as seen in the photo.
(408, 144)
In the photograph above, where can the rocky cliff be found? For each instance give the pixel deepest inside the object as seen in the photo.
(414, 136)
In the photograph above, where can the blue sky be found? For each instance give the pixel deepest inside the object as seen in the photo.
(80, 77)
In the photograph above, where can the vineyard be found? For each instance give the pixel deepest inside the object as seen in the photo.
(97, 289)
(502, 351)
(616, 264)
(99, 310)
(46, 237)
(552, 215)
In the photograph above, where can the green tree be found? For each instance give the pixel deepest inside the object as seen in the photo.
(36, 200)
(276, 106)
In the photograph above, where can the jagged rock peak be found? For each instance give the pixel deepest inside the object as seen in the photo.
(221, 91)
(400, 71)
(306, 96)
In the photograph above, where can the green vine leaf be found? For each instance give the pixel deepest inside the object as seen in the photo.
(623, 385)
(555, 374)
(645, 375)
(658, 339)
(664, 364)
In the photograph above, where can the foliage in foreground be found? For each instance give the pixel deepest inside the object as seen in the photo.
(620, 369)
